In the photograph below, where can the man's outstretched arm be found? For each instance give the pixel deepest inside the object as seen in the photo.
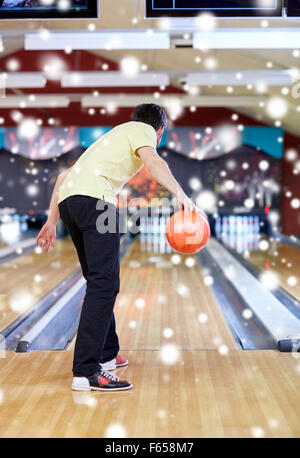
(161, 173)
(47, 234)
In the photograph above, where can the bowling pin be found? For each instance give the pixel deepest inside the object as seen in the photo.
(24, 225)
(155, 243)
(163, 224)
(155, 225)
(224, 237)
(231, 240)
(231, 223)
(256, 225)
(162, 243)
(245, 243)
(218, 227)
(250, 224)
(143, 228)
(239, 225)
(149, 225)
(225, 225)
(250, 241)
(149, 242)
(169, 248)
(245, 225)
(239, 243)
(143, 241)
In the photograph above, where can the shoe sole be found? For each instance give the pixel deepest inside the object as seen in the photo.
(113, 368)
(122, 365)
(92, 388)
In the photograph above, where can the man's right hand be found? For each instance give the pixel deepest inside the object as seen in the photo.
(186, 204)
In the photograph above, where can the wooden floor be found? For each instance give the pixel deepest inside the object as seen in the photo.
(157, 294)
(282, 260)
(240, 394)
(211, 389)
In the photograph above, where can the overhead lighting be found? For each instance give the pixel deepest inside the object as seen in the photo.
(23, 79)
(251, 38)
(119, 39)
(132, 100)
(241, 78)
(34, 101)
(113, 79)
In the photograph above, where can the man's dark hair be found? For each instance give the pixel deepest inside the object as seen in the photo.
(150, 114)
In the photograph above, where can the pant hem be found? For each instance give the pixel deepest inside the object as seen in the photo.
(87, 373)
(105, 360)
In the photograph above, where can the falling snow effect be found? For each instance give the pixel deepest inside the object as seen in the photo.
(223, 349)
(276, 108)
(208, 280)
(247, 314)
(140, 303)
(257, 432)
(202, 318)
(190, 262)
(168, 332)
(21, 301)
(169, 354)
(130, 66)
(115, 431)
(269, 280)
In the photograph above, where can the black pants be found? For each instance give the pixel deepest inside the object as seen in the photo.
(99, 256)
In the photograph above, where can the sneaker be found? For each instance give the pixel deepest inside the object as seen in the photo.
(100, 381)
(118, 361)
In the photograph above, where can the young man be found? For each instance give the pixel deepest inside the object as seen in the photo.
(80, 195)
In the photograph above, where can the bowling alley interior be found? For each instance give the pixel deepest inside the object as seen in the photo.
(212, 337)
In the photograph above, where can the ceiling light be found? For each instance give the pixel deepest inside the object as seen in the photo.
(24, 80)
(113, 79)
(118, 39)
(251, 38)
(39, 101)
(124, 100)
(224, 78)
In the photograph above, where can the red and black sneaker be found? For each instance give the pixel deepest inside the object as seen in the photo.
(118, 361)
(100, 381)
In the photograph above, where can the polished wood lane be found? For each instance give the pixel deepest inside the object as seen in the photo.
(205, 394)
(202, 389)
(26, 279)
(157, 295)
(281, 259)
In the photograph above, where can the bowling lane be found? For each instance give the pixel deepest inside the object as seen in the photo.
(26, 279)
(243, 394)
(164, 299)
(269, 255)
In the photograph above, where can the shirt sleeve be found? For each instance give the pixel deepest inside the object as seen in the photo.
(143, 136)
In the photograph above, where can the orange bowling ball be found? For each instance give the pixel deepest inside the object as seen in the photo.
(188, 234)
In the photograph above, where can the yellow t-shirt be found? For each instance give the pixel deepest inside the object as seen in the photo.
(103, 169)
